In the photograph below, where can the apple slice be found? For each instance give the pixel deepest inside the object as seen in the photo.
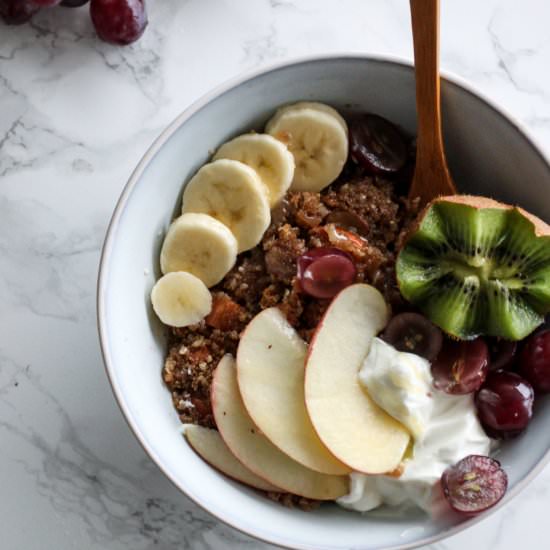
(270, 371)
(356, 430)
(255, 451)
(209, 445)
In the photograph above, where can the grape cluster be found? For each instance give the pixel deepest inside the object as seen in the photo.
(506, 376)
(116, 21)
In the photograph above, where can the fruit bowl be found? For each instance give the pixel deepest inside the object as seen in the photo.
(489, 154)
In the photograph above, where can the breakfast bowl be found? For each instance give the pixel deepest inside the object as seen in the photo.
(489, 154)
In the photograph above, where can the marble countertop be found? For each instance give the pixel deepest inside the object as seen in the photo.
(75, 117)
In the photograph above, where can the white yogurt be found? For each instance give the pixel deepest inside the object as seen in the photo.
(446, 429)
(400, 383)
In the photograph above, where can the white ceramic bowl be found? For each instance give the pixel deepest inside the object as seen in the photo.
(488, 154)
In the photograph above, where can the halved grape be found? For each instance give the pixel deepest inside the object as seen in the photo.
(505, 404)
(323, 272)
(461, 366)
(534, 362)
(313, 254)
(413, 333)
(501, 353)
(474, 484)
(377, 144)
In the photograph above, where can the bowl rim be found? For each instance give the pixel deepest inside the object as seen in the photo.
(112, 230)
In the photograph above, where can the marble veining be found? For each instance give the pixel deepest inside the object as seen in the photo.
(75, 117)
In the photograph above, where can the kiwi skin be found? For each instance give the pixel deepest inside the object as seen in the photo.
(489, 307)
(541, 228)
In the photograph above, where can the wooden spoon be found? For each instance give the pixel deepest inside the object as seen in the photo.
(431, 176)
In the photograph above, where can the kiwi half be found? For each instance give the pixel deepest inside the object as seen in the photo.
(475, 266)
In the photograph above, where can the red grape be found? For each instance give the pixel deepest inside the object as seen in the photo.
(534, 362)
(461, 367)
(501, 353)
(474, 484)
(313, 254)
(17, 12)
(323, 272)
(505, 404)
(119, 21)
(413, 333)
(377, 144)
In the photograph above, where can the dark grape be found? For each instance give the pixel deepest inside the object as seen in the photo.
(377, 144)
(534, 361)
(505, 404)
(461, 366)
(73, 3)
(349, 220)
(323, 272)
(413, 333)
(474, 484)
(17, 12)
(501, 353)
(119, 21)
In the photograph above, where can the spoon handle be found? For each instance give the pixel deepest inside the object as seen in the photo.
(430, 161)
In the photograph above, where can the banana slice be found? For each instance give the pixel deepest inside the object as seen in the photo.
(268, 156)
(234, 194)
(201, 245)
(181, 299)
(317, 141)
(316, 106)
